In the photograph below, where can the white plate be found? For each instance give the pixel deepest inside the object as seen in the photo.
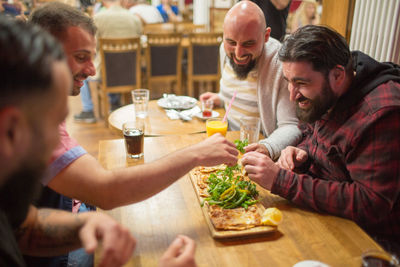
(177, 102)
(310, 263)
(213, 115)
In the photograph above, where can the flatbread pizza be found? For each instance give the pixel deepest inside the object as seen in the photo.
(229, 197)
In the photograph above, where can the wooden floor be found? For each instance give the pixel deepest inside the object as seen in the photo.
(87, 135)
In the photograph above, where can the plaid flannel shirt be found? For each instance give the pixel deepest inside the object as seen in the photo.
(353, 170)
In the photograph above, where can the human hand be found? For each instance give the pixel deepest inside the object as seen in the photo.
(257, 147)
(117, 242)
(215, 150)
(179, 253)
(213, 96)
(292, 157)
(260, 168)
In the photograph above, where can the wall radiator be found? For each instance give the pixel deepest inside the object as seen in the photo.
(376, 29)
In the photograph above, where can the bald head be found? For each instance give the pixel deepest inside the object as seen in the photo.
(245, 34)
(244, 13)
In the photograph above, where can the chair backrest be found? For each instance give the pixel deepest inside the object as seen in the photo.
(120, 68)
(188, 27)
(163, 58)
(203, 58)
(171, 27)
(120, 63)
(167, 27)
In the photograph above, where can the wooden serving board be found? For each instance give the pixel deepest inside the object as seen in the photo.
(221, 234)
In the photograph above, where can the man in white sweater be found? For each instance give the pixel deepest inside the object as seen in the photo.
(250, 66)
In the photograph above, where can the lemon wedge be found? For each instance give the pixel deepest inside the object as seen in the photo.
(271, 216)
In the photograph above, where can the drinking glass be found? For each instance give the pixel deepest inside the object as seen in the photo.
(206, 108)
(379, 258)
(134, 138)
(216, 125)
(140, 99)
(250, 129)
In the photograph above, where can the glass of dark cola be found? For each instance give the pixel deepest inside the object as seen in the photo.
(134, 138)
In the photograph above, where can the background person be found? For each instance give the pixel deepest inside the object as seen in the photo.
(14, 8)
(148, 14)
(348, 161)
(250, 66)
(34, 90)
(169, 12)
(275, 13)
(305, 14)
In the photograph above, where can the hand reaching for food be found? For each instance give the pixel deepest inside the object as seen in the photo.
(215, 150)
(257, 147)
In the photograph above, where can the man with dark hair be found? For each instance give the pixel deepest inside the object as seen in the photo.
(65, 23)
(34, 88)
(75, 174)
(113, 22)
(348, 162)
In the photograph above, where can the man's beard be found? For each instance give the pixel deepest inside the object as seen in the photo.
(319, 106)
(20, 188)
(242, 71)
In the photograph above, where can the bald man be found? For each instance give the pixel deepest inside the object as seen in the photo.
(250, 66)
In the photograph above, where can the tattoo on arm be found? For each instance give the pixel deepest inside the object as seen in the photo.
(54, 231)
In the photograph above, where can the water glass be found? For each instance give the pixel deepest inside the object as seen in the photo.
(140, 99)
(250, 129)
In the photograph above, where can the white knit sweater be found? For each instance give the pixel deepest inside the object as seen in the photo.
(277, 112)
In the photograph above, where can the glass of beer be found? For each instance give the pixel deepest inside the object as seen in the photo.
(216, 125)
(134, 138)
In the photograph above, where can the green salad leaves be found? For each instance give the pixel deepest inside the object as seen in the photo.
(229, 190)
(241, 144)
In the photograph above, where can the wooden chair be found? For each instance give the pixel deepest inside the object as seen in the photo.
(203, 60)
(120, 69)
(188, 27)
(163, 60)
(167, 27)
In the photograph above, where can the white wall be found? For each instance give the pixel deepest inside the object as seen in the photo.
(376, 29)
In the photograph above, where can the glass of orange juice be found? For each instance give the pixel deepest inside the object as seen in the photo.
(216, 125)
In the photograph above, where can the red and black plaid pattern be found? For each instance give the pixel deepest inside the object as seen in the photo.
(354, 163)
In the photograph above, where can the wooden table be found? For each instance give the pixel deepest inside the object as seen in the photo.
(155, 222)
(157, 121)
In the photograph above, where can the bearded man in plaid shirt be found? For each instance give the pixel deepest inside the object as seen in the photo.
(348, 163)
